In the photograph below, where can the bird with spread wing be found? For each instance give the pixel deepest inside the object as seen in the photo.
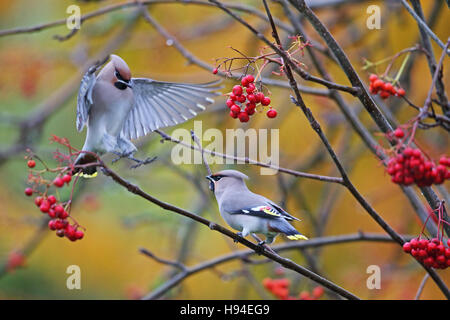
(117, 108)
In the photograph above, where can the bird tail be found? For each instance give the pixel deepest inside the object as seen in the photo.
(88, 171)
(285, 227)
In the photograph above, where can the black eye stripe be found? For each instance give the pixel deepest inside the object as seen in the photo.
(120, 85)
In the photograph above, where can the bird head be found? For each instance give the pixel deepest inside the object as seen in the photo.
(117, 72)
(224, 179)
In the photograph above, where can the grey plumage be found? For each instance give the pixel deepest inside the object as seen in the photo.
(249, 212)
(117, 108)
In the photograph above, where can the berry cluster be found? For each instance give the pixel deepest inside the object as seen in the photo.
(410, 166)
(431, 253)
(280, 289)
(384, 89)
(48, 204)
(247, 94)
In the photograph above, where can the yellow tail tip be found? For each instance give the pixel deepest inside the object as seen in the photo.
(85, 175)
(297, 237)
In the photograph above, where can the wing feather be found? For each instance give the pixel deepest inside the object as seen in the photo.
(162, 104)
(84, 98)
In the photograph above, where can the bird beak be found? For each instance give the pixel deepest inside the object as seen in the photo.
(211, 183)
(125, 83)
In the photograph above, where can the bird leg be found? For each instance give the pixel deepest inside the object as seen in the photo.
(120, 155)
(142, 162)
(129, 155)
(239, 234)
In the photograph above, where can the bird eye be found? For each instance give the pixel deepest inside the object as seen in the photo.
(120, 85)
(217, 178)
(118, 76)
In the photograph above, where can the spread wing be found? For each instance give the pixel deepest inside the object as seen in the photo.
(162, 104)
(84, 99)
(268, 211)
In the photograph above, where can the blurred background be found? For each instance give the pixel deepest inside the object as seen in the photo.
(38, 84)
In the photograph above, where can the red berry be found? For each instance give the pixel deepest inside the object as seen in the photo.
(233, 97)
(447, 253)
(250, 78)
(304, 295)
(237, 90)
(440, 249)
(38, 201)
(423, 254)
(60, 233)
(69, 231)
(235, 109)
(317, 292)
(267, 283)
(58, 182)
(250, 111)
(45, 206)
(233, 115)
(243, 116)
(441, 259)
(67, 178)
(63, 215)
(230, 103)
(241, 98)
(51, 213)
(423, 243)
(51, 199)
(265, 101)
(31, 163)
(272, 113)
(251, 105)
(431, 246)
(401, 92)
(407, 247)
(79, 234)
(414, 243)
(408, 152)
(215, 70)
(51, 225)
(251, 98)
(259, 96)
(399, 133)
(384, 94)
(59, 209)
(428, 261)
(250, 88)
(373, 77)
(28, 191)
(378, 84)
(387, 87)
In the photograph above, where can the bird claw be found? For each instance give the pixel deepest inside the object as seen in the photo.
(142, 162)
(260, 248)
(128, 155)
(239, 234)
(120, 156)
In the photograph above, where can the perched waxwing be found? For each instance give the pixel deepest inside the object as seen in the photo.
(117, 108)
(249, 212)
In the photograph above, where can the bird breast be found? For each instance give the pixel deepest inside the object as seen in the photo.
(111, 106)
